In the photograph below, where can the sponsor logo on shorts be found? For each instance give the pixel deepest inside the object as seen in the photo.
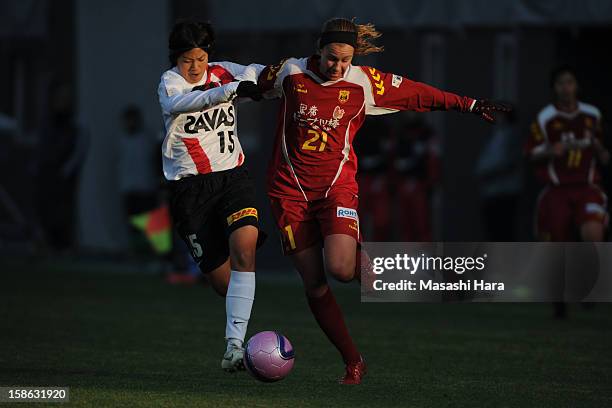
(238, 215)
(594, 208)
(354, 226)
(343, 212)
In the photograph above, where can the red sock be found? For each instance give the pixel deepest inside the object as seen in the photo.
(330, 319)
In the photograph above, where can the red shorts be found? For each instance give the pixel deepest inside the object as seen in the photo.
(561, 210)
(303, 224)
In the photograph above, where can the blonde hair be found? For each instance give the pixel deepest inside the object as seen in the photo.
(365, 34)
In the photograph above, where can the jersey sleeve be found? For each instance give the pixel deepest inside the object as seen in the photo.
(173, 101)
(391, 93)
(250, 73)
(270, 80)
(536, 142)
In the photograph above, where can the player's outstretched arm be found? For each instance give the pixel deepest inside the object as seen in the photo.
(174, 102)
(391, 93)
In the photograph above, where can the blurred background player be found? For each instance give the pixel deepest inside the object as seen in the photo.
(60, 158)
(500, 173)
(145, 207)
(372, 148)
(212, 196)
(416, 165)
(311, 177)
(567, 149)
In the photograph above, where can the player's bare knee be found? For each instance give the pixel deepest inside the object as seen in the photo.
(243, 259)
(342, 271)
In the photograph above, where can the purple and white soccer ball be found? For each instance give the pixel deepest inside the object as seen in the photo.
(268, 356)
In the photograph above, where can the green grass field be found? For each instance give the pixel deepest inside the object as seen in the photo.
(128, 340)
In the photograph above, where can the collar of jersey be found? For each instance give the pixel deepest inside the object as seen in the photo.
(569, 115)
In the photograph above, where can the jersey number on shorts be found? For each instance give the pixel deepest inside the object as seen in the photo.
(308, 145)
(230, 147)
(196, 248)
(290, 236)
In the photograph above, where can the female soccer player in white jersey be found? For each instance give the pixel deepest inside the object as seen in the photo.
(212, 197)
(311, 179)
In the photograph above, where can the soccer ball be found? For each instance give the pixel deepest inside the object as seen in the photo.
(268, 356)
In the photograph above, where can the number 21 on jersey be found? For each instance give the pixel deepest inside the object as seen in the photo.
(313, 143)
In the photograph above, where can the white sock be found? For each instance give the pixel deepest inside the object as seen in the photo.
(238, 304)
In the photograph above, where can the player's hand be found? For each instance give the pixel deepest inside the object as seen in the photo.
(485, 108)
(248, 89)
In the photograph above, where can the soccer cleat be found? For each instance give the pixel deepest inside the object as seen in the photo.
(354, 372)
(233, 359)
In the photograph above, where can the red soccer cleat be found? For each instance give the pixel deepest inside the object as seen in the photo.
(354, 372)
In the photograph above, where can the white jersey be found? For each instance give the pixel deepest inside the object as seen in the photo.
(201, 132)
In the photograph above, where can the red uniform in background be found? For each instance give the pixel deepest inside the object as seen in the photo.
(572, 195)
(311, 177)
(417, 168)
(372, 148)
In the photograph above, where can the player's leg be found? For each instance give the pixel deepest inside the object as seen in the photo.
(219, 278)
(240, 294)
(238, 212)
(302, 241)
(592, 214)
(554, 216)
(340, 256)
(327, 312)
(339, 224)
(553, 223)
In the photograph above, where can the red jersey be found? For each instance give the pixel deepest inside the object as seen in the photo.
(578, 130)
(318, 120)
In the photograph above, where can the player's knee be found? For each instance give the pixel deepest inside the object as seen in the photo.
(340, 269)
(591, 232)
(243, 259)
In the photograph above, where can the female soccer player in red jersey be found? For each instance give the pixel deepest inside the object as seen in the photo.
(311, 178)
(566, 144)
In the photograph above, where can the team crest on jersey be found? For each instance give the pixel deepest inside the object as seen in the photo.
(588, 122)
(338, 113)
(557, 125)
(343, 96)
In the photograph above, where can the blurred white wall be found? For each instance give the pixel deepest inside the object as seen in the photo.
(121, 53)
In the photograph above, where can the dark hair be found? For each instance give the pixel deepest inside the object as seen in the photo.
(558, 71)
(187, 35)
